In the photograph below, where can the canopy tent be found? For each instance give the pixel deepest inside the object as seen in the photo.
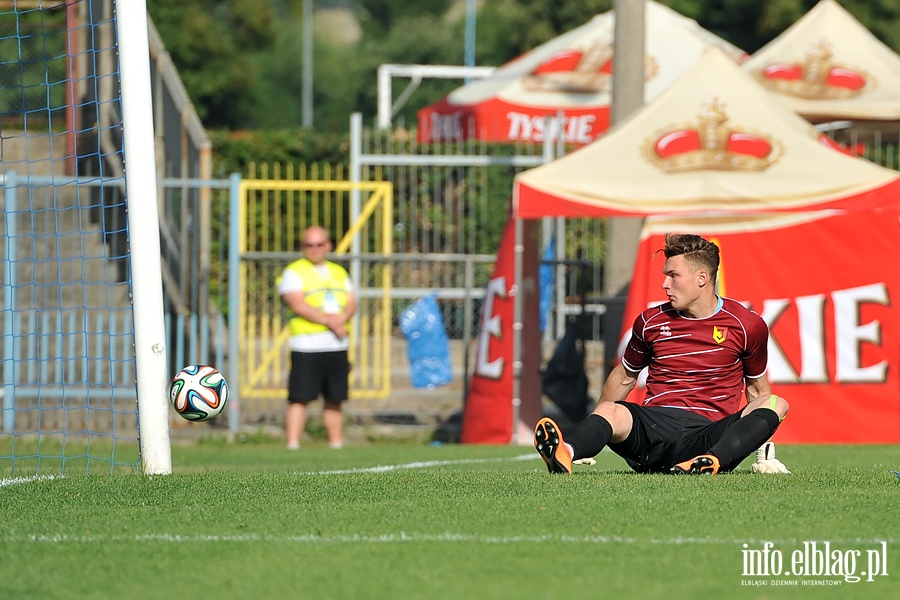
(718, 146)
(827, 66)
(571, 75)
(714, 141)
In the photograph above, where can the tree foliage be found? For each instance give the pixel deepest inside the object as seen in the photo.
(241, 60)
(389, 14)
(212, 44)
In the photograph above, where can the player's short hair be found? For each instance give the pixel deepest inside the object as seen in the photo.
(699, 252)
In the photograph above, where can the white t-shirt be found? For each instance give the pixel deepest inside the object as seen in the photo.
(325, 341)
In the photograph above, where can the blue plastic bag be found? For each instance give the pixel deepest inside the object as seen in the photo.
(546, 274)
(428, 348)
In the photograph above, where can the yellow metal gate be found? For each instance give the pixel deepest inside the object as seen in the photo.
(273, 216)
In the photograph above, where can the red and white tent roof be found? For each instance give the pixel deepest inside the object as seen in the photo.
(715, 141)
(569, 74)
(828, 66)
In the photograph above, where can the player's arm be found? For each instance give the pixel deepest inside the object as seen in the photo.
(337, 323)
(757, 390)
(618, 384)
(624, 376)
(296, 301)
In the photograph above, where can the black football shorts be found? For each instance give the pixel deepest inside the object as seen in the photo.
(662, 437)
(315, 374)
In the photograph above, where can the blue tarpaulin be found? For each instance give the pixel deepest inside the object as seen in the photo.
(428, 348)
(547, 283)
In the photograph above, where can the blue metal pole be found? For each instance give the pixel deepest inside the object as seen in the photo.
(9, 297)
(306, 90)
(234, 302)
(470, 33)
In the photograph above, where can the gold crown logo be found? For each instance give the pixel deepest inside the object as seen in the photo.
(711, 144)
(587, 71)
(816, 78)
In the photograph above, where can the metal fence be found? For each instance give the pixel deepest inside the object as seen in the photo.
(453, 199)
(268, 218)
(67, 327)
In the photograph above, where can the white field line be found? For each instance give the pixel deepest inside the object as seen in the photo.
(419, 465)
(402, 537)
(376, 469)
(14, 480)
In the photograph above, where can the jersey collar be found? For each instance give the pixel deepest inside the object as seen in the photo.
(719, 304)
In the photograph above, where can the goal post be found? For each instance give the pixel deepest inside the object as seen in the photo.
(387, 107)
(151, 364)
(82, 325)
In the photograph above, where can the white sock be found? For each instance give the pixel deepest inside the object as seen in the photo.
(766, 451)
(570, 450)
(293, 446)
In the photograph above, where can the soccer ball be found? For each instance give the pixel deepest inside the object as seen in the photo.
(198, 392)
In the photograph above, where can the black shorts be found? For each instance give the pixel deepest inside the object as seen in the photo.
(319, 373)
(663, 437)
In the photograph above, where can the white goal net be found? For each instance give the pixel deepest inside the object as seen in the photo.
(73, 306)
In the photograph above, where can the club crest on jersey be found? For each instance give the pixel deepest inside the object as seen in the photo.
(719, 335)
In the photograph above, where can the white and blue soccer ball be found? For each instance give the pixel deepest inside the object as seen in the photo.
(198, 392)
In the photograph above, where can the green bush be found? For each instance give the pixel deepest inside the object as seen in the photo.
(234, 151)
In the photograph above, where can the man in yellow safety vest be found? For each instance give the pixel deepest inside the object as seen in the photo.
(320, 294)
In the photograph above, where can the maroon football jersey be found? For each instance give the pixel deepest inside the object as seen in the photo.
(698, 364)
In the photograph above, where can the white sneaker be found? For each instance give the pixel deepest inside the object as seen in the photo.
(766, 461)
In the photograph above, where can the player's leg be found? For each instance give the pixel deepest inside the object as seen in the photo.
(660, 437)
(336, 391)
(736, 437)
(333, 419)
(294, 424)
(303, 388)
(744, 436)
(610, 421)
(765, 454)
(775, 403)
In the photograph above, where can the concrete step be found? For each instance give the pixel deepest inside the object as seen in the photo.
(62, 258)
(33, 154)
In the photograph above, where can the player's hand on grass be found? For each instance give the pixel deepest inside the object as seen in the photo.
(766, 461)
(584, 461)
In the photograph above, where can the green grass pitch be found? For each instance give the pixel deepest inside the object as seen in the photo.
(252, 520)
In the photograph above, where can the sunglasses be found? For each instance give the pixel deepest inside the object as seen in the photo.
(315, 245)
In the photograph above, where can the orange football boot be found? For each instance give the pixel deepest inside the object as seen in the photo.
(549, 443)
(706, 464)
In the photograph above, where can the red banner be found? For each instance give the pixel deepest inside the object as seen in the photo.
(825, 284)
(488, 416)
(495, 120)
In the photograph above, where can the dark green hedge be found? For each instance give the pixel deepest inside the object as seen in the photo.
(233, 151)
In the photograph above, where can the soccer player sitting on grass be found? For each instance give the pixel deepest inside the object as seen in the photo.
(701, 352)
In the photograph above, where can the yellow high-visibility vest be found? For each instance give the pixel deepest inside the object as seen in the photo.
(318, 287)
